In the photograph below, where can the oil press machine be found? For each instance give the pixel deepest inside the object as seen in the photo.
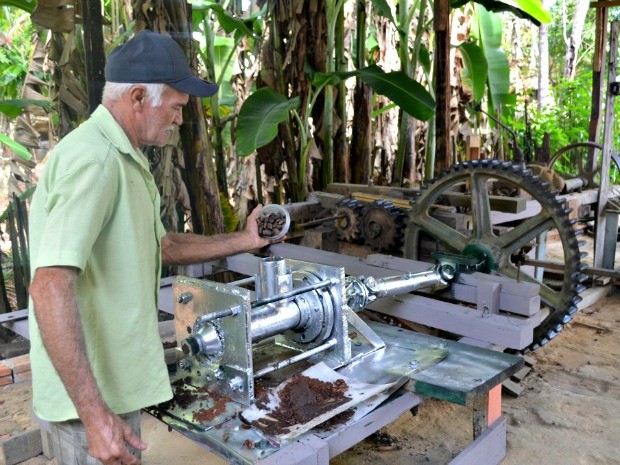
(237, 348)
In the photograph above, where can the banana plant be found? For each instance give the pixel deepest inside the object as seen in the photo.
(26, 5)
(16, 147)
(261, 113)
(409, 57)
(217, 56)
(532, 10)
(488, 33)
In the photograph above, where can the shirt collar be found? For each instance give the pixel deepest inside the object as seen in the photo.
(116, 135)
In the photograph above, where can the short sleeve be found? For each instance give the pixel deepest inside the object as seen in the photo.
(77, 207)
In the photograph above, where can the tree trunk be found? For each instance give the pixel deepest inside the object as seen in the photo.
(285, 140)
(405, 152)
(361, 145)
(218, 142)
(341, 149)
(598, 71)
(574, 41)
(443, 157)
(542, 95)
(174, 18)
(93, 51)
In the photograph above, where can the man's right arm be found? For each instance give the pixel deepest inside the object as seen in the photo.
(58, 317)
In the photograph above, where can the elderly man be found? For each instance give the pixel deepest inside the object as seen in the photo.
(97, 244)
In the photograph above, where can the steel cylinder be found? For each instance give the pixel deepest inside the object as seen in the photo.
(395, 285)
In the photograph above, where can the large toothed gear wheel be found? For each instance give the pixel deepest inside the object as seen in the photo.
(348, 224)
(383, 225)
(499, 246)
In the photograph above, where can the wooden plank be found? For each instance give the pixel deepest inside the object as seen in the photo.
(347, 437)
(309, 450)
(21, 447)
(519, 298)
(481, 344)
(521, 374)
(529, 361)
(300, 211)
(497, 202)
(593, 295)
(605, 4)
(511, 332)
(512, 388)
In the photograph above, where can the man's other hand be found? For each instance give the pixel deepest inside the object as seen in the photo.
(107, 437)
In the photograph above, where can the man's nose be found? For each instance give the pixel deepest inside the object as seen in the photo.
(178, 118)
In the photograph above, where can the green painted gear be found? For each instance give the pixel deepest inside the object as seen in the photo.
(500, 250)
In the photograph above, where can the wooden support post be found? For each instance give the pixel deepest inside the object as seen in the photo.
(598, 68)
(443, 157)
(93, 49)
(601, 217)
(474, 143)
(487, 409)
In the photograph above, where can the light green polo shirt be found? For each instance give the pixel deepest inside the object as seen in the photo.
(96, 208)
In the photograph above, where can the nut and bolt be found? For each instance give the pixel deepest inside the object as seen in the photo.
(236, 383)
(184, 298)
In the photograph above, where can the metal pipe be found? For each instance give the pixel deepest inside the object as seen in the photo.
(293, 293)
(272, 277)
(574, 184)
(219, 314)
(270, 320)
(321, 221)
(395, 285)
(590, 271)
(297, 358)
(243, 282)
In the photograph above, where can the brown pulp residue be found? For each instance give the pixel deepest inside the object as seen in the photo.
(301, 400)
(186, 395)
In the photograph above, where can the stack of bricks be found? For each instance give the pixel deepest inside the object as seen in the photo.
(15, 370)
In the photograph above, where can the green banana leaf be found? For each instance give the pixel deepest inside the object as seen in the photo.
(16, 147)
(490, 39)
(259, 116)
(225, 20)
(476, 69)
(13, 108)
(405, 92)
(527, 9)
(26, 5)
(382, 8)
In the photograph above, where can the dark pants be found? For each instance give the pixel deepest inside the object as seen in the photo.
(71, 447)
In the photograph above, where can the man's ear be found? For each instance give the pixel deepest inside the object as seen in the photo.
(138, 97)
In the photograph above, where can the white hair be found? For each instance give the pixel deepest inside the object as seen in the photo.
(113, 91)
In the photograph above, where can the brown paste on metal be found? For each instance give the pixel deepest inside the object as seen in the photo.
(301, 400)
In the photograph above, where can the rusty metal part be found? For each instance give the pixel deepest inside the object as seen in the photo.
(383, 225)
(348, 224)
(483, 241)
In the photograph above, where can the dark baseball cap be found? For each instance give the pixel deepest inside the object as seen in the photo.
(155, 58)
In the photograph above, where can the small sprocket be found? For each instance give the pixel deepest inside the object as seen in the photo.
(348, 224)
(383, 225)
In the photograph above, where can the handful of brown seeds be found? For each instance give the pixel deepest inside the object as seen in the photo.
(270, 224)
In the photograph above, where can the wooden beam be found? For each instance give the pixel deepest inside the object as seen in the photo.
(601, 217)
(607, 4)
(94, 53)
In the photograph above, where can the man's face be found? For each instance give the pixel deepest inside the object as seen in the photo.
(161, 122)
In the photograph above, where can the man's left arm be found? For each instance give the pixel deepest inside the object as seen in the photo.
(185, 249)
